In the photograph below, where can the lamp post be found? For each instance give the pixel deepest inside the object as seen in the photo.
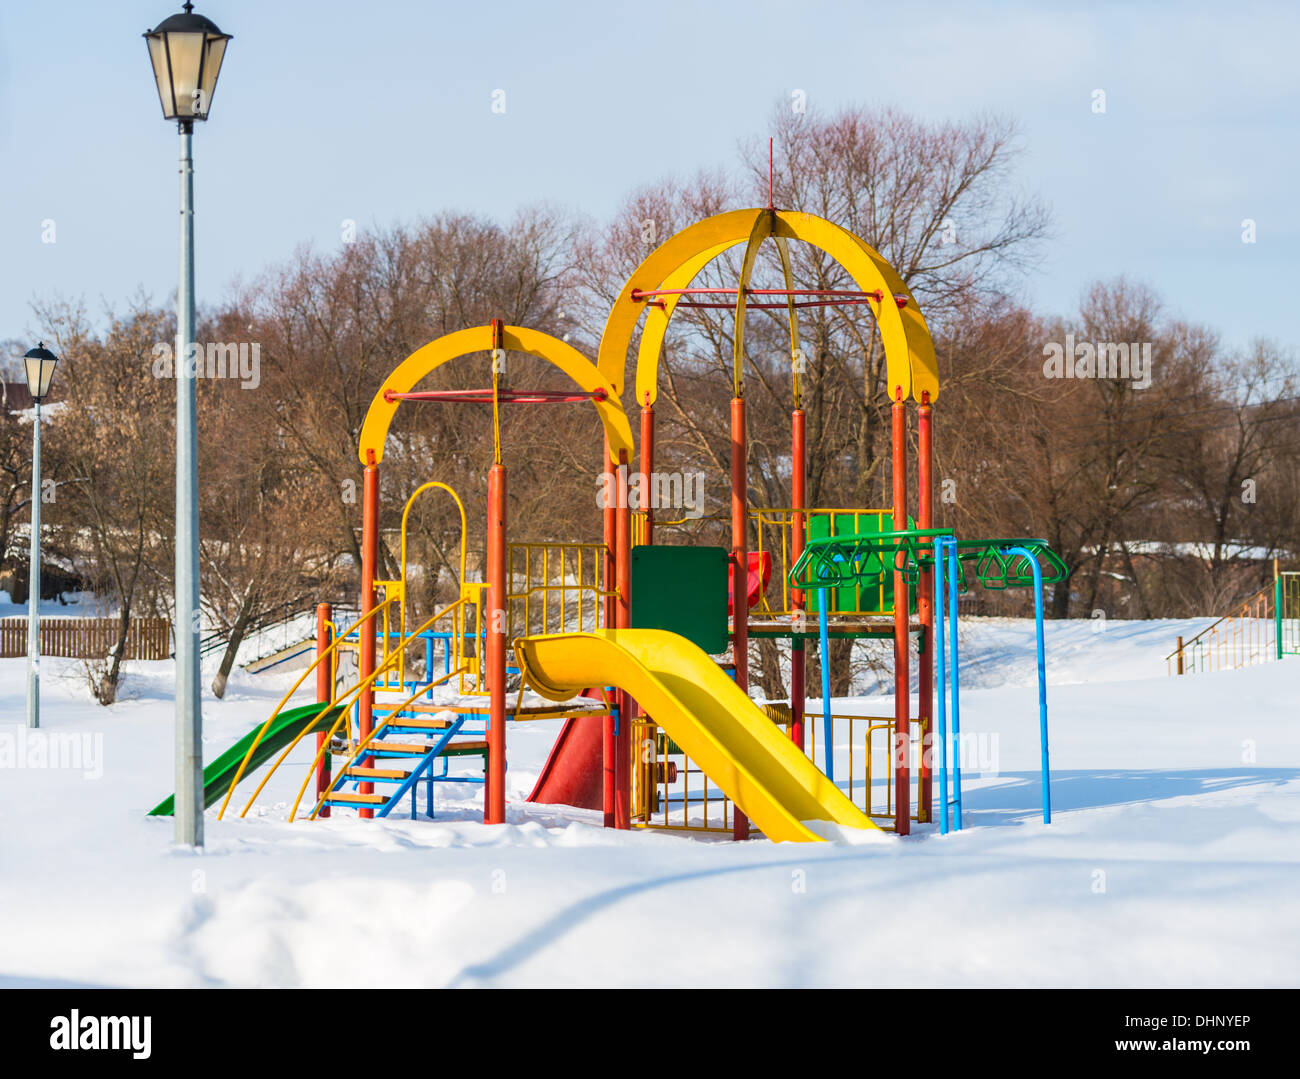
(186, 51)
(40, 363)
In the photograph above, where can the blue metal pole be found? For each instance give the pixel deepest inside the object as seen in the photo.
(823, 622)
(1042, 678)
(954, 588)
(941, 694)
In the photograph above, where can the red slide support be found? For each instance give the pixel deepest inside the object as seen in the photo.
(574, 771)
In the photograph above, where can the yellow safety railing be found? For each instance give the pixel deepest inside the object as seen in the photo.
(467, 625)
(670, 791)
(864, 767)
(555, 587)
(394, 593)
(344, 703)
(673, 794)
(1245, 636)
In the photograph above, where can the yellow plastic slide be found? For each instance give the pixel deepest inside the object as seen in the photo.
(705, 713)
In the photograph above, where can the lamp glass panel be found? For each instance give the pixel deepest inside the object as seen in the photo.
(47, 375)
(162, 74)
(186, 51)
(211, 69)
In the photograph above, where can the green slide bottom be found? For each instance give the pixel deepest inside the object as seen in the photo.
(283, 730)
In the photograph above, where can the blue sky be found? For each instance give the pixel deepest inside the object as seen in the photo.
(381, 112)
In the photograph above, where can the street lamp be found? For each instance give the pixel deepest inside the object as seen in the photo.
(40, 363)
(186, 51)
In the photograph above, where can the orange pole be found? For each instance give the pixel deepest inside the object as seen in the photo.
(324, 694)
(623, 613)
(925, 606)
(494, 796)
(739, 571)
(648, 465)
(609, 520)
(366, 642)
(902, 682)
(798, 664)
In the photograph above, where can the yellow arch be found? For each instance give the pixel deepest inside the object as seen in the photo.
(657, 319)
(403, 378)
(909, 350)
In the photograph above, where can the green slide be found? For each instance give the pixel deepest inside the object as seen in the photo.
(283, 729)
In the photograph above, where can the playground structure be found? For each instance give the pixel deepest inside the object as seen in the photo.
(642, 649)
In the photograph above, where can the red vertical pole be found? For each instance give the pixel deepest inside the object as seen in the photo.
(902, 682)
(925, 606)
(494, 799)
(368, 629)
(623, 617)
(648, 464)
(739, 570)
(609, 521)
(324, 694)
(798, 664)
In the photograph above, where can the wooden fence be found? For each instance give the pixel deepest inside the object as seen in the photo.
(88, 638)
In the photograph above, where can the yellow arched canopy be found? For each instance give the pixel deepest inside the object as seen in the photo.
(404, 377)
(909, 351)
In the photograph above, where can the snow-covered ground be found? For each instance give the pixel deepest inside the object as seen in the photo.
(1173, 857)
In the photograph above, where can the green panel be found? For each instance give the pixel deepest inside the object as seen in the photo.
(682, 589)
(869, 594)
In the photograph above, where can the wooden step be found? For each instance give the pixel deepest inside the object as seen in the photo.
(349, 798)
(415, 749)
(406, 723)
(361, 772)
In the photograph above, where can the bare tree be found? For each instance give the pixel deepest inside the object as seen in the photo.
(114, 430)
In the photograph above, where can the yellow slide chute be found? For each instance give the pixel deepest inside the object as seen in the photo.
(701, 709)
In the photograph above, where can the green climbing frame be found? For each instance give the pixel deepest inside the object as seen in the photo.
(866, 557)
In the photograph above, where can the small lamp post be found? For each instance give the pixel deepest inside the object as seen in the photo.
(40, 363)
(186, 51)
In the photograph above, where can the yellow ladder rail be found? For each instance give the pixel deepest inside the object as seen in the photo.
(360, 748)
(344, 702)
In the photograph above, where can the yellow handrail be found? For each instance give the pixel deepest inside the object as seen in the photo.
(406, 512)
(361, 745)
(239, 774)
(1255, 647)
(344, 702)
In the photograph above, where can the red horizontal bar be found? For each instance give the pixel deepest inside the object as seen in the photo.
(512, 397)
(641, 294)
(761, 305)
(839, 295)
